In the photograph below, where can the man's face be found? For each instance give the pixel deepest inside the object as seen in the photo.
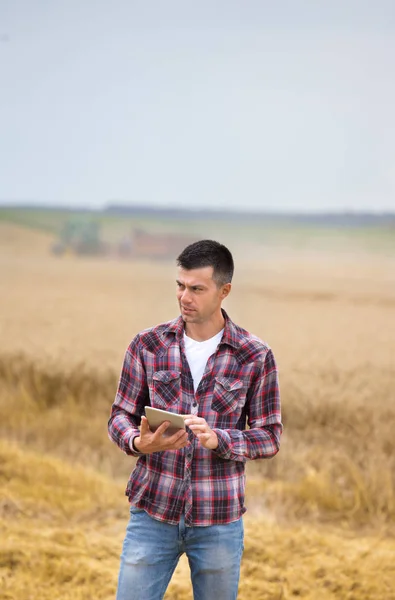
(198, 295)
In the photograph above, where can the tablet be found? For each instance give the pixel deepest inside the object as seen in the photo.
(156, 417)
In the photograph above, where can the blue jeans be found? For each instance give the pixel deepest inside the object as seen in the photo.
(151, 551)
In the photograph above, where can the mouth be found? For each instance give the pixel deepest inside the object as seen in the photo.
(187, 310)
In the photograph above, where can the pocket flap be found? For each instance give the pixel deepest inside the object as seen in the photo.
(166, 376)
(230, 384)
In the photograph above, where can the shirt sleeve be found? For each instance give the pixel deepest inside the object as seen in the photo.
(262, 439)
(131, 397)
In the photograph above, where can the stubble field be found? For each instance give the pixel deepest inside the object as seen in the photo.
(320, 520)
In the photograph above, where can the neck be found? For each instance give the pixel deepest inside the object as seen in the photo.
(200, 332)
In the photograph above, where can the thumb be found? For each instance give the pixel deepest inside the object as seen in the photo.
(144, 428)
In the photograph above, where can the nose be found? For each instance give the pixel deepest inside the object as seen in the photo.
(185, 297)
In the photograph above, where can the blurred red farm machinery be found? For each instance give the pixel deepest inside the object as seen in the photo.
(84, 238)
(158, 246)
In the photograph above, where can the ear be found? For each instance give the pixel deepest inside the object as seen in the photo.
(226, 290)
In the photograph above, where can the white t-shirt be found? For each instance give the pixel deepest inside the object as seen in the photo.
(198, 353)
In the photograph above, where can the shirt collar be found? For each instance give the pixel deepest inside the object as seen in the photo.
(231, 335)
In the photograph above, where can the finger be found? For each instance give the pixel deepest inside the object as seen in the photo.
(179, 436)
(179, 441)
(162, 428)
(144, 427)
(199, 427)
(203, 437)
(191, 420)
(181, 444)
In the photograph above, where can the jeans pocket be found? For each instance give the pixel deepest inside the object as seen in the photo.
(135, 510)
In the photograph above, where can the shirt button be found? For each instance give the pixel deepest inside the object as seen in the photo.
(194, 404)
(189, 455)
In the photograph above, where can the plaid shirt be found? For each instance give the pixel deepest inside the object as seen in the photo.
(239, 386)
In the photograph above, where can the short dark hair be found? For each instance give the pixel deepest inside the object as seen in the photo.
(208, 253)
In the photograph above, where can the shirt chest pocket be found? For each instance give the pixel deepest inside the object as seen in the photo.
(165, 389)
(227, 396)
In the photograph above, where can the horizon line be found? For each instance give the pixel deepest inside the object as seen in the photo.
(119, 207)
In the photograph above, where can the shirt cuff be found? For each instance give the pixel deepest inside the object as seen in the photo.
(223, 450)
(128, 445)
(131, 443)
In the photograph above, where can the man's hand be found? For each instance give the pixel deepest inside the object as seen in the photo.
(154, 441)
(207, 437)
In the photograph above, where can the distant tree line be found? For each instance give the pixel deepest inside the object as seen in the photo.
(334, 219)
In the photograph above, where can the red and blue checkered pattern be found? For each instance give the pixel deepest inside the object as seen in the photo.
(239, 388)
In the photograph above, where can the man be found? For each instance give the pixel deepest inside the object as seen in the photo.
(186, 492)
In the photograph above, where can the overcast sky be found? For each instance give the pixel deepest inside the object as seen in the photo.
(251, 103)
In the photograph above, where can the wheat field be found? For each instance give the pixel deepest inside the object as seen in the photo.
(321, 514)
